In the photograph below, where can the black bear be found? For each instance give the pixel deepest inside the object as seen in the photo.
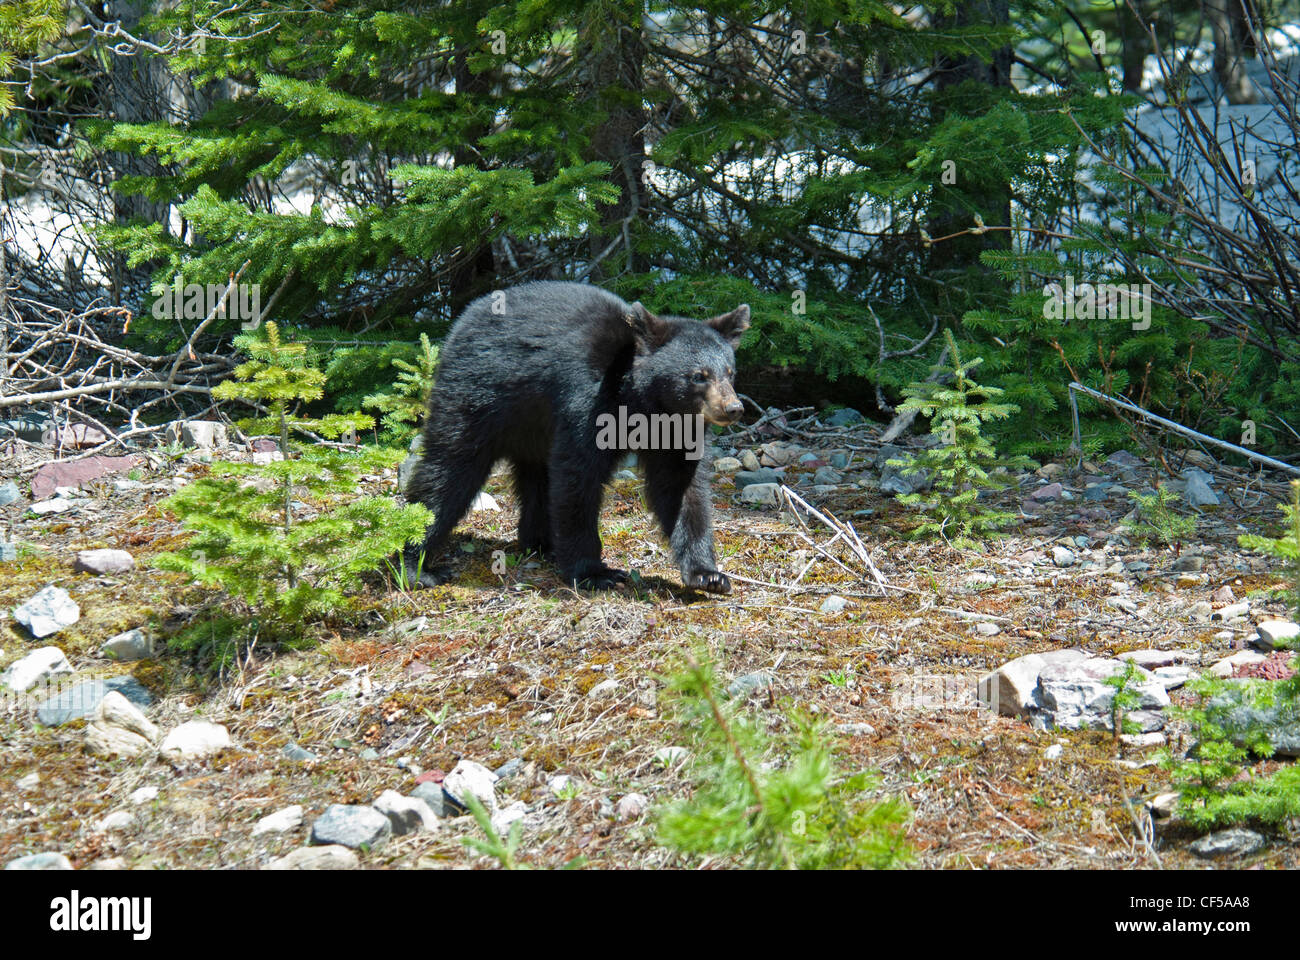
(562, 379)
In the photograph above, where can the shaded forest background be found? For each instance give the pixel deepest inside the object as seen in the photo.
(864, 174)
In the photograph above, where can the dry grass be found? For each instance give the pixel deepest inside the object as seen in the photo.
(503, 668)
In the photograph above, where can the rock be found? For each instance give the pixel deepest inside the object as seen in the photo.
(902, 480)
(351, 826)
(749, 461)
(1200, 611)
(763, 494)
(1009, 690)
(777, 454)
(1122, 603)
(405, 814)
(726, 465)
(1142, 741)
(109, 741)
(1163, 804)
(631, 806)
(53, 506)
(1239, 720)
(75, 474)
(1232, 611)
(29, 782)
(103, 562)
(1063, 557)
(316, 858)
(472, 779)
(143, 795)
(131, 645)
(744, 685)
(74, 436)
(436, 799)
(827, 476)
(29, 426)
(603, 689)
(562, 784)
(295, 752)
(1074, 695)
(833, 604)
(282, 821)
(38, 667)
(83, 699)
(855, 729)
(1054, 752)
(746, 478)
(1049, 491)
(48, 611)
(1122, 458)
(1236, 842)
(40, 861)
(1242, 658)
(263, 457)
(986, 629)
(1150, 659)
(1173, 677)
(203, 434)
(1197, 493)
(121, 820)
(502, 819)
(107, 863)
(1223, 595)
(116, 710)
(509, 768)
(9, 493)
(669, 756)
(195, 739)
(844, 417)
(485, 501)
(1273, 633)
(8, 552)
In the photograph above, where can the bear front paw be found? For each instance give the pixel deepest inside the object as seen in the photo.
(711, 581)
(603, 578)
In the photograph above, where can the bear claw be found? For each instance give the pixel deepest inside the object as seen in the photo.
(711, 581)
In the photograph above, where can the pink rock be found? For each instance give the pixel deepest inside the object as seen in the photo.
(1050, 491)
(75, 436)
(74, 474)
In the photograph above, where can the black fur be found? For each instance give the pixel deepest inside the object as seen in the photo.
(528, 383)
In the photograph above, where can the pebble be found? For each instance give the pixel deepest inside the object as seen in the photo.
(406, 814)
(332, 857)
(1063, 557)
(472, 779)
(833, 604)
(48, 611)
(196, 738)
(631, 806)
(144, 795)
(104, 562)
(131, 645)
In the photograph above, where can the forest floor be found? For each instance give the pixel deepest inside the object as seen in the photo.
(514, 667)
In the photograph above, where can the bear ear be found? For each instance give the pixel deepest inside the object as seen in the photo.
(651, 332)
(732, 325)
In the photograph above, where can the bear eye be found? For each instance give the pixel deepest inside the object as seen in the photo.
(701, 376)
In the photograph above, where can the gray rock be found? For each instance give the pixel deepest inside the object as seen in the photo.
(1150, 659)
(8, 552)
(509, 768)
(58, 505)
(726, 465)
(1197, 493)
(1173, 677)
(1189, 563)
(902, 480)
(48, 611)
(333, 857)
(1242, 658)
(485, 501)
(84, 699)
(9, 493)
(1232, 611)
(763, 494)
(30, 427)
(38, 667)
(102, 562)
(744, 685)
(1074, 695)
(833, 605)
(294, 752)
(351, 826)
(844, 417)
(746, 478)
(749, 460)
(406, 814)
(204, 434)
(827, 476)
(131, 645)
(1240, 719)
(631, 806)
(1063, 557)
(1227, 843)
(437, 799)
(40, 861)
(1122, 458)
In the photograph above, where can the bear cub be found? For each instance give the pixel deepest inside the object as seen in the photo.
(537, 375)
